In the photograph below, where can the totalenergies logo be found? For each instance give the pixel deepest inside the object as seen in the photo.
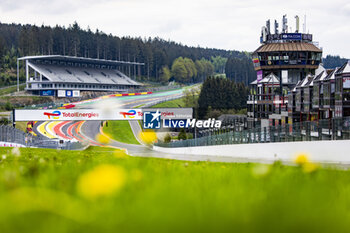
(130, 114)
(55, 114)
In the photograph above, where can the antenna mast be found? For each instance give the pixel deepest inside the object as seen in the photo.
(297, 24)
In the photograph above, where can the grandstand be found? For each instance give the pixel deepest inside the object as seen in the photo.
(65, 76)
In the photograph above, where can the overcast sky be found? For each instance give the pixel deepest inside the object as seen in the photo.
(224, 24)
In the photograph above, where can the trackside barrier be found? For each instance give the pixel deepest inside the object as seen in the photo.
(327, 129)
(150, 104)
(11, 137)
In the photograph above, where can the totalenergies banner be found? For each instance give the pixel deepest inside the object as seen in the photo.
(78, 114)
(96, 114)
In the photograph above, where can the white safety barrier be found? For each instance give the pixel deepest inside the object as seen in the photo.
(318, 151)
(10, 144)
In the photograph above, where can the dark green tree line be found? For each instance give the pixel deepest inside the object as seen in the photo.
(240, 69)
(156, 53)
(331, 62)
(221, 94)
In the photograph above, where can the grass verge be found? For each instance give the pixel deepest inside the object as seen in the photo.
(120, 131)
(45, 190)
(176, 103)
(21, 125)
(11, 89)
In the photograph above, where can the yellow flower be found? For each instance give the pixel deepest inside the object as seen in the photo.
(148, 136)
(102, 138)
(310, 167)
(301, 159)
(101, 181)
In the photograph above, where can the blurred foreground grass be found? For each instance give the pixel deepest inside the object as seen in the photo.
(102, 190)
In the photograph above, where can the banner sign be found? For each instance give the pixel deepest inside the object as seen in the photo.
(97, 114)
(61, 93)
(259, 75)
(172, 113)
(69, 93)
(47, 93)
(76, 93)
(291, 36)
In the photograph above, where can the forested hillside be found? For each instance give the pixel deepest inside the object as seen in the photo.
(331, 62)
(157, 54)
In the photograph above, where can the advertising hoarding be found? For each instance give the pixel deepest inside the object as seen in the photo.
(291, 36)
(77, 114)
(172, 113)
(61, 93)
(259, 75)
(97, 114)
(284, 76)
(76, 93)
(47, 93)
(69, 93)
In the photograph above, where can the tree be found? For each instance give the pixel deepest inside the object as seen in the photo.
(165, 74)
(331, 62)
(200, 70)
(240, 69)
(2, 46)
(167, 138)
(155, 53)
(191, 98)
(179, 71)
(191, 68)
(182, 135)
(219, 64)
(221, 94)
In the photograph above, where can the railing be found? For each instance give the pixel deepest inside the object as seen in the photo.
(328, 129)
(13, 135)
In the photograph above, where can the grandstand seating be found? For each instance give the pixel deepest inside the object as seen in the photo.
(66, 74)
(52, 74)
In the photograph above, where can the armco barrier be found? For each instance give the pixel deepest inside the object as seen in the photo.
(318, 151)
(10, 144)
(109, 96)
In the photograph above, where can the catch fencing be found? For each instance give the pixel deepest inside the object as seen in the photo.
(13, 135)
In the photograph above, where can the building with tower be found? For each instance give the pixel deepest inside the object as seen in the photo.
(282, 61)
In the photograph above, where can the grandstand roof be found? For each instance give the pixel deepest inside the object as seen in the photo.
(79, 59)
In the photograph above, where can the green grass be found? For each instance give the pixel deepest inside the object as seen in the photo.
(21, 125)
(38, 193)
(120, 131)
(11, 89)
(176, 103)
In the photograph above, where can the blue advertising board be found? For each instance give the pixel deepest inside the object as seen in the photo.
(69, 93)
(47, 92)
(291, 36)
